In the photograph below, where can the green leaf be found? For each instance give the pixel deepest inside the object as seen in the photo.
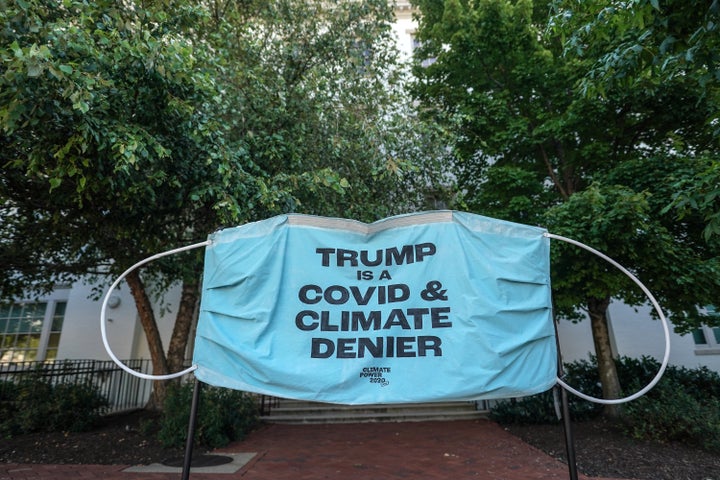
(17, 51)
(54, 183)
(34, 69)
(81, 105)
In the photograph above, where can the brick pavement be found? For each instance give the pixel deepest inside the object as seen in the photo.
(457, 450)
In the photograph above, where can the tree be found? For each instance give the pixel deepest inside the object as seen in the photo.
(646, 43)
(108, 149)
(315, 98)
(534, 149)
(128, 129)
(642, 40)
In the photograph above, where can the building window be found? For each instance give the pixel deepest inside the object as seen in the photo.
(707, 339)
(30, 331)
(416, 44)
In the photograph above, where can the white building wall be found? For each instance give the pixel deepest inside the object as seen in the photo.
(404, 29)
(635, 334)
(81, 336)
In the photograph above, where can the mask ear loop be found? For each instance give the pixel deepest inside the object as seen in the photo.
(103, 321)
(655, 304)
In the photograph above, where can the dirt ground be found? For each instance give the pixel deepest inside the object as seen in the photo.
(601, 450)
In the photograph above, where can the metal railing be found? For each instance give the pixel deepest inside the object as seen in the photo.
(266, 403)
(122, 390)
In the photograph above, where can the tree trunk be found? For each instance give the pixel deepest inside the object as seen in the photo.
(183, 322)
(147, 319)
(597, 309)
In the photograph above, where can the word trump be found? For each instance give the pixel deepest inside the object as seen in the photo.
(390, 256)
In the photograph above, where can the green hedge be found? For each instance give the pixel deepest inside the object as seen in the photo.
(683, 406)
(223, 416)
(36, 405)
(540, 408)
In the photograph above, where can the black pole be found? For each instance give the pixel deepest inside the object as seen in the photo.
(569, 438)
(191, 430)
(565, 410)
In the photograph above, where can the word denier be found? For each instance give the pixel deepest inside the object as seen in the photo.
(431, 306)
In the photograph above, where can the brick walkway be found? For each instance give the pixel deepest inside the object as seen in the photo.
(456, 450)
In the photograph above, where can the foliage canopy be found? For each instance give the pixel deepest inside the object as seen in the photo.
(537, 146)
(562, 121)
(130, 128)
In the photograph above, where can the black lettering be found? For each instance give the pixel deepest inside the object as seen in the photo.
(424, 250)
(344, 321)
(404, 346)
(365, 260)
(374, 349)
(361, 299)
(381, 298)
(378, 347)
(365, 275)
(325, 325)
(417, 315)
(322, 348)
(426, 343)
(330, 298)
(393, 295)
(369, 322)
(396, 318)
(437, 317)
(392, 255)
(325, 252)
(345, 347)
(347, 256)
(305, 298)
(299, 323)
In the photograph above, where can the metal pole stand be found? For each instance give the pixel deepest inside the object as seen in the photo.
(191, 430)
(569, 438)
(565, 413)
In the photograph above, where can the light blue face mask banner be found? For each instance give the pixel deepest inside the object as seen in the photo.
(424, 307)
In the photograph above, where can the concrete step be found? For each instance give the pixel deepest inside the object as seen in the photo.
(292, 411)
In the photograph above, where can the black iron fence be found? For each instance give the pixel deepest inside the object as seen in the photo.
(122, 390)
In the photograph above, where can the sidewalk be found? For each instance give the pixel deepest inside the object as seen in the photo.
(455, 450)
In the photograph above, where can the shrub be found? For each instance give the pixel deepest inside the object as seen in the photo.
(223, 416)
(8, 408)
(683, 406)
(534, 409)
(76, 407)
(35, 405)
(541, 408)
(675, 416)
